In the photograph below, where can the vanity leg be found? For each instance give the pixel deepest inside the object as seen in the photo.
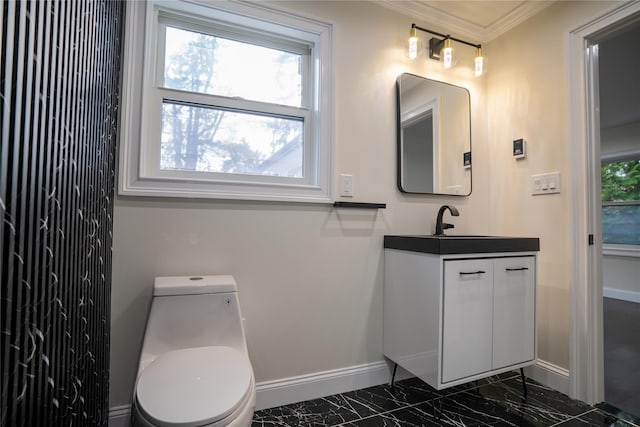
(437, 409)
(524, 382)
(393, 376)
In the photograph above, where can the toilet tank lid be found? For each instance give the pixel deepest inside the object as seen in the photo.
(193, 285)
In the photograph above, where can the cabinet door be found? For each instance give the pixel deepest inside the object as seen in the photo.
(467, 318)
(514, 311)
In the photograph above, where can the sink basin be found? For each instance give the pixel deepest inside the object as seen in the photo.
(462, 244)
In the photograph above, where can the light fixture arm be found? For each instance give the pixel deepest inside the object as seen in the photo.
(447, 36)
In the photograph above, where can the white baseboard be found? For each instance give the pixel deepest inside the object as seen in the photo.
(120, 416)
(281, 392)
(551, 375)
(270, 394)
(631, 296)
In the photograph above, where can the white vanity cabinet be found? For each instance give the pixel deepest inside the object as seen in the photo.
(450, 319)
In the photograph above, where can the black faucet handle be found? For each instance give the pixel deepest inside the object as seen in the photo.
(446, 226)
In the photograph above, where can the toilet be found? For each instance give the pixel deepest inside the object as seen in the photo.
(194, 367)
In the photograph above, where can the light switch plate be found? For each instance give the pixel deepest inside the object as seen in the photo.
(346, 185)
(545, 183)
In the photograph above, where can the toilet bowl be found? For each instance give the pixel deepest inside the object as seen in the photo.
(194, 368)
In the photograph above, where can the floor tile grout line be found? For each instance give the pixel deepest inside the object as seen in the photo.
(389, 411)
(574, 417)
(443, 396)
(616, 415)
(595, 409)
(477, 385)
(632, 423)
(350, 406)
(411, 405)
(408, 405)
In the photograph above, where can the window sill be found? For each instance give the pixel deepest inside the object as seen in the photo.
(631, 251)
(225, 191)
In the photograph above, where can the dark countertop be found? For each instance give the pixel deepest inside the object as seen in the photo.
(444, 245)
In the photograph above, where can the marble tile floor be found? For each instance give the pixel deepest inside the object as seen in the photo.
(495, 401)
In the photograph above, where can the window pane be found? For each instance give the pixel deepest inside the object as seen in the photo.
(621, 225)
(204, 139)
(203, 63)
(621, 181)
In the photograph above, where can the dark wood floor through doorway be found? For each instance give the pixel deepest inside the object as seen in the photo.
(622, 354)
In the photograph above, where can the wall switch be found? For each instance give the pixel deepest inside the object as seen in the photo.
(346, 185)
(545, 183)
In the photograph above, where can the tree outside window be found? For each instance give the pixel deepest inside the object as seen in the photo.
(621, 202)
(205, 138)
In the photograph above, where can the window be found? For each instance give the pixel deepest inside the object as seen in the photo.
(621, 202)
(235, 103)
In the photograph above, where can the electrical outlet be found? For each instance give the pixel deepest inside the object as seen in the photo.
(346, 185)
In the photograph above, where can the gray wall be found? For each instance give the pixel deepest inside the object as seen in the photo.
(309, 277)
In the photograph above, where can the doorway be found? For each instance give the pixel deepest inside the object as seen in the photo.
(620, 157)
(587, 380)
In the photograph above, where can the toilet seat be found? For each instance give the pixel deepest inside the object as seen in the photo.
(194, 386)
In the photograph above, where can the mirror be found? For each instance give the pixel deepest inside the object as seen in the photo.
(434, 137)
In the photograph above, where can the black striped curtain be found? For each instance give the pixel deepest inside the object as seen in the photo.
(59, 80)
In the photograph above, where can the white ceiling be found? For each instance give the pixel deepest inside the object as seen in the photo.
(480, 21)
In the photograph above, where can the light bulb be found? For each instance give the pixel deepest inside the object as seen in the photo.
(447, 54)
(479, 61)
(413, 43)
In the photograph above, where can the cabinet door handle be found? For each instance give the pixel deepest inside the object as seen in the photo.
(465, 273)
(517, 269)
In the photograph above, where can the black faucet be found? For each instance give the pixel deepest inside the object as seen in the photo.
(440, 227)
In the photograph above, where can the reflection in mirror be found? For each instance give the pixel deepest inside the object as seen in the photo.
(434, 137)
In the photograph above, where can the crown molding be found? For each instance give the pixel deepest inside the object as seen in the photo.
(422, 11)
(514, 18)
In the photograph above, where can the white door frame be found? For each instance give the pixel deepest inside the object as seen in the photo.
(586, 364)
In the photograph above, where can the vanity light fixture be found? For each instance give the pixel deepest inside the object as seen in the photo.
(413, 43)
(479, 62)
(447, 53)
(442, 49)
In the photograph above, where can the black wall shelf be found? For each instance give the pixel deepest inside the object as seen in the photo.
(360, 205)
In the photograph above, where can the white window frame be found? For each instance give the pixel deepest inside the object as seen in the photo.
(142, 99)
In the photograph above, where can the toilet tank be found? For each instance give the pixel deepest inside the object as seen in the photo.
(193, 312)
